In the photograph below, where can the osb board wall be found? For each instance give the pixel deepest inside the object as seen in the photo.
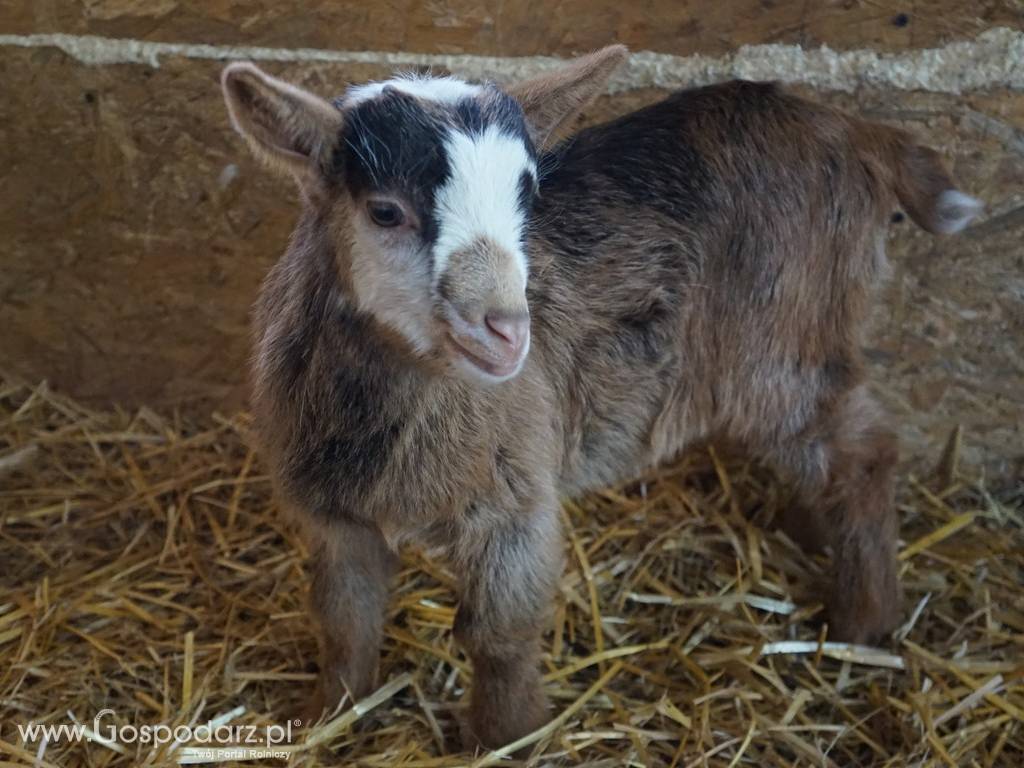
(134, 229)
(519, 27)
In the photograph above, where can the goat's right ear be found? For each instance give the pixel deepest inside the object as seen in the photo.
(287, 127)
(553, 100)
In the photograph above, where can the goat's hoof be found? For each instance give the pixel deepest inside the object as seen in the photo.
(864, 627)
(487, 733)
(324, 704)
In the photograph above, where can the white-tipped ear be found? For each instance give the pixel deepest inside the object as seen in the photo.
(954, 210)
(553, 100)
(288, 128)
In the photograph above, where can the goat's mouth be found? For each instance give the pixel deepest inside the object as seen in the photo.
(492, 367)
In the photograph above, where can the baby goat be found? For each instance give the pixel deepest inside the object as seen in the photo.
(473, 321)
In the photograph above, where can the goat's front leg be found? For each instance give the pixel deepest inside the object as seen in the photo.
(509, 572)
(351, 569)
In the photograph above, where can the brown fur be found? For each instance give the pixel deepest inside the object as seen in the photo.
(554, 99)
(481, 273)
(700, 270)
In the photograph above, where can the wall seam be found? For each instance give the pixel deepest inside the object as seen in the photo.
(993, 59)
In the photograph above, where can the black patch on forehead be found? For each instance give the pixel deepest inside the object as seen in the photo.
(394, 143)
(492, 108)
(527, 190)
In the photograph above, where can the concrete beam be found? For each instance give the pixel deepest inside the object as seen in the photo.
(993, 59)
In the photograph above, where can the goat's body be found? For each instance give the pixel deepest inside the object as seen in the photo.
(721, 292)
(699, 270)
(716, 298)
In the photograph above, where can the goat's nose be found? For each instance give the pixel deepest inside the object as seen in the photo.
(511, 329)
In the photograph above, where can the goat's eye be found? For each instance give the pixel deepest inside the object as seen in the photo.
(385, 214)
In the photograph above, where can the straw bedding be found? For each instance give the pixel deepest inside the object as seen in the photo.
(144, 568)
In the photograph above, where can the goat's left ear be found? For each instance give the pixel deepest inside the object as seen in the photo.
(551, 101)
(287, 127)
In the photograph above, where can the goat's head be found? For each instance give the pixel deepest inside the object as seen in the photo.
(426, 184)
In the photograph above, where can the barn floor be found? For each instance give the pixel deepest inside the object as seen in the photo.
(145, 569)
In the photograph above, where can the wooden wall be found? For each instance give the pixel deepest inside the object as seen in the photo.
(134, 229)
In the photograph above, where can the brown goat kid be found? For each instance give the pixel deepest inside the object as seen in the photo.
(473, 321)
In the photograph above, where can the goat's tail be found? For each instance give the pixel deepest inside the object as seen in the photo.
(924, 187)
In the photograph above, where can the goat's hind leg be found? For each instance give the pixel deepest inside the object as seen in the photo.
(844, 473)
(351, 566)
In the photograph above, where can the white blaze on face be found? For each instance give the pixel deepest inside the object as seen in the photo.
(480, 198)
